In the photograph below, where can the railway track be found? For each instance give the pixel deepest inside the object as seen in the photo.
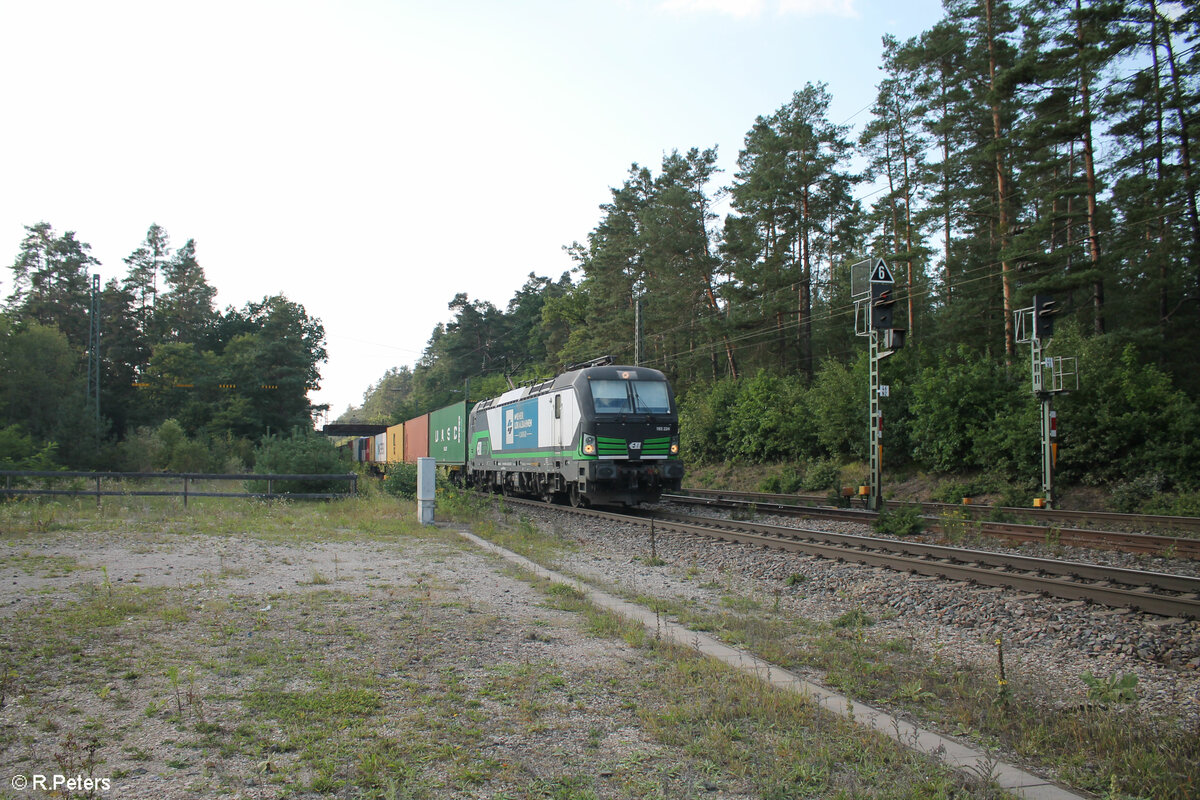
(1149, 592)
(1037, 516)
(1047, 532)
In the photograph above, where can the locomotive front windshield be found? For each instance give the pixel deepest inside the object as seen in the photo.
(631, 397)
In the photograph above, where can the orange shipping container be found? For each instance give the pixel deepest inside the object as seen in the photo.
(416, 439)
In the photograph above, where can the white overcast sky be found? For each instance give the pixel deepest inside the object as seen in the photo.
(371, 158)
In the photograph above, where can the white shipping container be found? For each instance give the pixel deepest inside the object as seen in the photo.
(381, 448)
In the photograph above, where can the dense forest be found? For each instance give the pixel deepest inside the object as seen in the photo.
(178, 384)
(1015, 147)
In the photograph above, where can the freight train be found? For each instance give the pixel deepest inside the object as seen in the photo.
(598, 434)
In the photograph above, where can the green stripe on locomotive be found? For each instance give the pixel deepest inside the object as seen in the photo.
(508, 455)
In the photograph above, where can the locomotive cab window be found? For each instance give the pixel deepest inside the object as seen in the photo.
(558, 406)
(630, 397)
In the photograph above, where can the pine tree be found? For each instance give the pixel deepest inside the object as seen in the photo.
(185, 313)
(791, 188)
(897, 144)
(52, 282)
(1067, 49)
(682, 314)
(141, 280)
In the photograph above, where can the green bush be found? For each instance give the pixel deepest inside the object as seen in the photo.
(903, 521)
(704, 422)
(19, 452)
(771, 484)
(1129, 496)
(1126, 419)
(769, 421)
(754, 420)
(968, 412)
(837, 401)
(302, 453)
(1016, 496)
(787, 481)
(953, 491)
(1186, 504)
(400, 480)
(791, 481)
(821, 475)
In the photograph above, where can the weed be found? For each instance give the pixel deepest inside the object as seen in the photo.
(173, 681)
(914, 692)
(854, 618)
(903, 521)
(1003, 694)
(744, 513)
(954, 524)
(1111, 689)
(1053, 537)
(78, 757)
(740, 604)
(8, 678)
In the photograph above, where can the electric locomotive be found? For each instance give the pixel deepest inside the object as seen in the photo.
(598, 434)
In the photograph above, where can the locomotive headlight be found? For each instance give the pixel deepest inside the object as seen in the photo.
(589, 444)
(674, 445)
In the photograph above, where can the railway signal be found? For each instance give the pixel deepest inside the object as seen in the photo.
(883, 302)
(873, 286)
(1048, 377)
(1043, 316)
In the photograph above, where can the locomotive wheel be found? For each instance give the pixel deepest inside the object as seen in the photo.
(577, 498)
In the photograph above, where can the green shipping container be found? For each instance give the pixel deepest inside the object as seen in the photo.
(448, 434)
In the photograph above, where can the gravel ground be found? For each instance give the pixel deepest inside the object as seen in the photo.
(427, 619)
(452, 646)
(1047, 642)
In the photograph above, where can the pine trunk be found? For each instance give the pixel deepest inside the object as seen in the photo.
(1001, 192)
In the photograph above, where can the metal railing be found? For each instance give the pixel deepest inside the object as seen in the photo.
(186, 489)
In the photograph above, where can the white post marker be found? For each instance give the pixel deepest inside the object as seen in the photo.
(426, 489)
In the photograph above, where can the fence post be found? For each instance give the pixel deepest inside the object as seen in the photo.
(97, 491)
(185, 487)
(354, 484)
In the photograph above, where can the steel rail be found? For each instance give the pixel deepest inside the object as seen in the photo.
(1153, 544)
(1018, 563)
(1040, 516)
(971, 572)
(1117, 588)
